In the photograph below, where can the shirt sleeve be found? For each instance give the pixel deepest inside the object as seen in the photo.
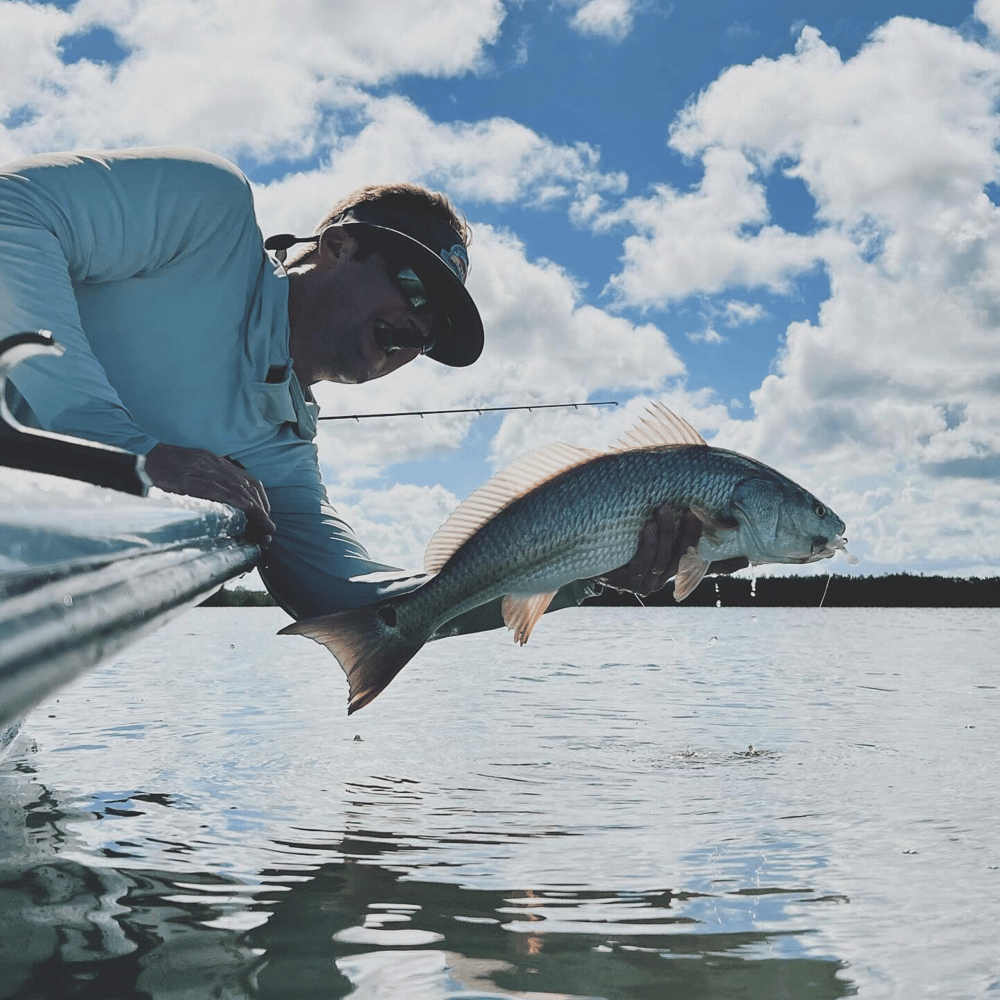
(72, 219)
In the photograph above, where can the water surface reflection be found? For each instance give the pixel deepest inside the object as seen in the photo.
(355, 915)
(582, 820)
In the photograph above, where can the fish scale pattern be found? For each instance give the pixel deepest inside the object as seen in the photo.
(580, 523)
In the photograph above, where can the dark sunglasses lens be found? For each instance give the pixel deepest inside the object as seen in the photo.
(413, 289)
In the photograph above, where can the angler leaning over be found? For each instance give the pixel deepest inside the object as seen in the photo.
(185, 344)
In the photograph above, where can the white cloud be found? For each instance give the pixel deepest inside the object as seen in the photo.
(496, 160)
(707, 336)
(738, 313)
(395, 524)
(29, 49)
(886, 405)
(988, 12)
(255, 76)
(707, 240)
(611, 19)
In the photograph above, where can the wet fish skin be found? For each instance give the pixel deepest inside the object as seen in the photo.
(581, 521)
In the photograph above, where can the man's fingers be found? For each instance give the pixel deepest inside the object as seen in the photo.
(252, 501)
(659, 538)
(657, 554)
(260, 528)
(688, 533)
(255, 486)
(199, 473)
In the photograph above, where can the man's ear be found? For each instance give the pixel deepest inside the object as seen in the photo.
(336, 245)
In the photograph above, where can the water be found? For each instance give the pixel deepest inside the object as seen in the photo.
(580, 818)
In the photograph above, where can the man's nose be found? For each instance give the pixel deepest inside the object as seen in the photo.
(423, 321)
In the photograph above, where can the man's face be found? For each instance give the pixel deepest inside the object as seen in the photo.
(347, 299)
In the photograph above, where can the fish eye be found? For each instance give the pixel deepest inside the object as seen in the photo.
(820, 511)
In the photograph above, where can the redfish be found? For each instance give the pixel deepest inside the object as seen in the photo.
(565, 513)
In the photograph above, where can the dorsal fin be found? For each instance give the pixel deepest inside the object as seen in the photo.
(496, 493)
(658, 426)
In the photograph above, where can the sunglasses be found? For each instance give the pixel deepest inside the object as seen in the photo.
(412, 289)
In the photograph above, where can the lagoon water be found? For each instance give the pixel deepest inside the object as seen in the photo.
(580, 818)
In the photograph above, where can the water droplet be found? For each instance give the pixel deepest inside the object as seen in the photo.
(753, 618)
(713, 640)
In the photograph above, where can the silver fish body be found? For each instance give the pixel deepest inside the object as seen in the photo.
(523, 541)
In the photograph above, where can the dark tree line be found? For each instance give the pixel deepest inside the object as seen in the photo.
(897, 590)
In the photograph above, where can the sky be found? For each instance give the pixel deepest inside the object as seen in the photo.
(779, 219)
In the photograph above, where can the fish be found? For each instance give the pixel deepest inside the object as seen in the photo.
(566, 513)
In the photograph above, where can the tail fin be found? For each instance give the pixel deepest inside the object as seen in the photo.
(367, 645)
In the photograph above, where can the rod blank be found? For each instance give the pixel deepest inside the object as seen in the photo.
(472, 409)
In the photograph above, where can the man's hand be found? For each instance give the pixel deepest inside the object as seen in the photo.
(665, 537)
(195, 472)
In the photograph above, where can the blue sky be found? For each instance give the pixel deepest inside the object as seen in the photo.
(775, 217)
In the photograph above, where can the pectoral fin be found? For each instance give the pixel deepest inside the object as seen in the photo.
(712, 524)
(521, 611)
(689, 573)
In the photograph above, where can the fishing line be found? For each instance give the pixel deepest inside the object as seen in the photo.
(829, 576)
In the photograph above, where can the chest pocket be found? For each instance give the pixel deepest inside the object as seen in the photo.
(283, 402)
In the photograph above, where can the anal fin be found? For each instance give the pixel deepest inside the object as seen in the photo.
(521, 611)
(689, 573)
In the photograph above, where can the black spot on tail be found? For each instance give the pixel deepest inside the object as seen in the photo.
(388, 615)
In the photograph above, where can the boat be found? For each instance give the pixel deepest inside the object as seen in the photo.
(92, 556)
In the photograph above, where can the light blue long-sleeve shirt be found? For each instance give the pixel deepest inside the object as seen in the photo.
(148, 266)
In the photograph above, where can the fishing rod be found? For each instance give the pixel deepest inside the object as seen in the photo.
(472, 409)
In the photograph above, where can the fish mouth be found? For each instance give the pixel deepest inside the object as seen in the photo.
(825, 548)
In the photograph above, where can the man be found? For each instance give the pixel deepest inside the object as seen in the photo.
(186, 345)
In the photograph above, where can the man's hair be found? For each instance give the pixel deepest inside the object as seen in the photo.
(399, 197)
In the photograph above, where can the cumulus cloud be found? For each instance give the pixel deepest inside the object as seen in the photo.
(397, 522)
(497, 161)
(611, 19)
(255, 77)
(712, 238)
(988, 12)
(889, 398)
(737, 312)
(709, 335)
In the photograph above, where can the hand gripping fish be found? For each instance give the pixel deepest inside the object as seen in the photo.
(565, 513)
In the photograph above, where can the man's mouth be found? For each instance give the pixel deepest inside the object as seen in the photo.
(383, 337)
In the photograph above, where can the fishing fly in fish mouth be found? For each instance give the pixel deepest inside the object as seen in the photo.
(565, 513)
